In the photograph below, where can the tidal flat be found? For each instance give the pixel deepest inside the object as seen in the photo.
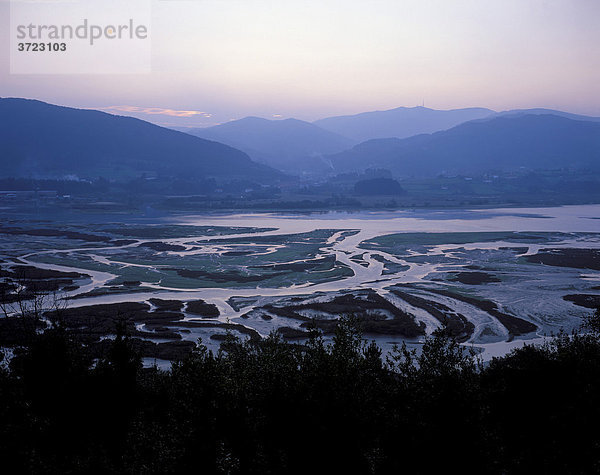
(497, 278)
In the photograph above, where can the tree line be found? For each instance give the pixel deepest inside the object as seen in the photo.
(273, 407)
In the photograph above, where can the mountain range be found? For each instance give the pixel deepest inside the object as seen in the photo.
(43, 140)
(540, 111)
(298, 147)
(291, 145)
(40, 140)
(500, 143)
(401, 122)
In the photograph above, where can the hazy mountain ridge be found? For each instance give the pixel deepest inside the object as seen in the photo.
(290, 144)
(404, 122)
(542, 111)
(504, 142)
(401, 122)
(38, 139)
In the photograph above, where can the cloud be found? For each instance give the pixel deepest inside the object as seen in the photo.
(156, 111)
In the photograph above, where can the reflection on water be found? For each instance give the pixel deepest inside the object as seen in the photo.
(521, 289)
(581, 218)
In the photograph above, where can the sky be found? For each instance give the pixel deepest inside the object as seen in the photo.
(218, 60)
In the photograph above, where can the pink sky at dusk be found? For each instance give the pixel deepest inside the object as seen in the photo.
(217, 60)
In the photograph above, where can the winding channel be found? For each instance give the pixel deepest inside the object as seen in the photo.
(344, 244)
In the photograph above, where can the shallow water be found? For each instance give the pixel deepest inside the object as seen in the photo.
(533, 292)
(580, 218)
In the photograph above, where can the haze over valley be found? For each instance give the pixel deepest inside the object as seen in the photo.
(521, 157)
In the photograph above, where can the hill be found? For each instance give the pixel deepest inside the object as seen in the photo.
(401, 122)
(541, 111)
(536, 141)
(290, 144)
(41, 140)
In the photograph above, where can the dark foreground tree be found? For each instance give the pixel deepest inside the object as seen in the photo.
(271, 407)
